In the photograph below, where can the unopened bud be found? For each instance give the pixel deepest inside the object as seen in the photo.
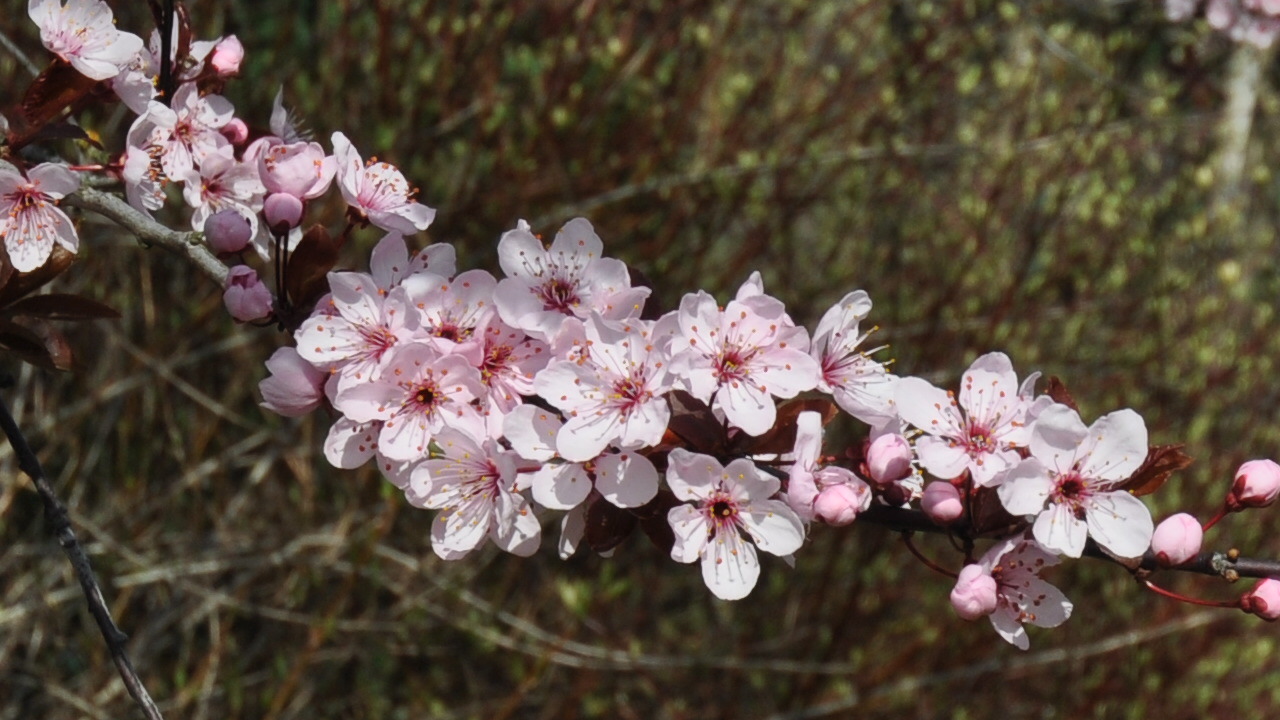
(245, 296)
(1176, 539)
(228, 231)
(840, 504)
(889, 458)
(283, 212)
(235, 131)
(941, 502)
(1263, 600)
(975, 594)
(1256, 485)
(227, 56)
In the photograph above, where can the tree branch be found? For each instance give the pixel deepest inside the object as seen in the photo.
(1209, 563)
(56, 516)
(186, 244)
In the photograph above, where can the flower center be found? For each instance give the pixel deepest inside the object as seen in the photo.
(559, 294)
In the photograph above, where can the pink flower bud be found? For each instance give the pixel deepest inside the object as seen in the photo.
(283, 212)
(1257, 484)
(295, 386)
(245, 296)
(228, 231)
(227, 56)
(1263, 600)
(889, 458)
(235, 131)
(941, 502)
(840, 504)
(975, 593)
(1177, 539)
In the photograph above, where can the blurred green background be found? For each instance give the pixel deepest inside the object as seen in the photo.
(1048, 177)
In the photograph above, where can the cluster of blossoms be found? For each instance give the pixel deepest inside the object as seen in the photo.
(558, 393)
(1256, 22)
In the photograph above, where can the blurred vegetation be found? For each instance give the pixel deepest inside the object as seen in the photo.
(1033, 176)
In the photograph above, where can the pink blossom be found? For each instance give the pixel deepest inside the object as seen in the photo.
(451, 312)
(545, 286)
(831, 494)
(351, 334)
(351, 444)
(378, 191)
(185, 133)
(390, 263)
(300, 169)
(613, 393)
(942, 502)
(83, 33)
(418, 394)
(510, 360)
(245, 296)
(144, 179)
(1177, 539)
(222, 183)
(732, 514)
(1257, 484)
(30, 221)
(283, 212)
(625, 479)
(477, 490)
(136, 83)
(295, 387)
(980, 433)
(1069, 483)
(1021, 596)
(861, 386)
(740, 358)
(975, 594)
(1263, 600)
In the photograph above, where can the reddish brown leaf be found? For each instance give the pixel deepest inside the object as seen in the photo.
(607, 524)
(59, 306)
(1161, 463)
(52, 91)
(694, 425)
(61, 131)
(653, 520)
(1057, 390)
(988, 513)
(28, 345)
(19, 284)
(781, 438)
(309, 266)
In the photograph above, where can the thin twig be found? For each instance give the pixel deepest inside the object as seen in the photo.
(56, 516)
(186, 244)
(8, 44)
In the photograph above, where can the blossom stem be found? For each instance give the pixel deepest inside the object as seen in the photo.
(1214, 520)
(1193, 601)
(906, 538)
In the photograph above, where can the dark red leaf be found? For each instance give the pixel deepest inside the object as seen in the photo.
(694, 426)
(59, 306)
(607, 524)
(988, 514)
(309, 266)
(61, 131)
(781, 438)
(29, 346)
(51, 92)
(1161, 463)
(1058, 391)
(653, 520)
(19, 284)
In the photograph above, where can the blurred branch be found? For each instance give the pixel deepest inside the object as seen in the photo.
(1243, 80)
(150, 232)
(56, 516)
(8, 44)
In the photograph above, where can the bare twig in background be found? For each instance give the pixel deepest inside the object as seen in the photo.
(56, 515)
(12, 48)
